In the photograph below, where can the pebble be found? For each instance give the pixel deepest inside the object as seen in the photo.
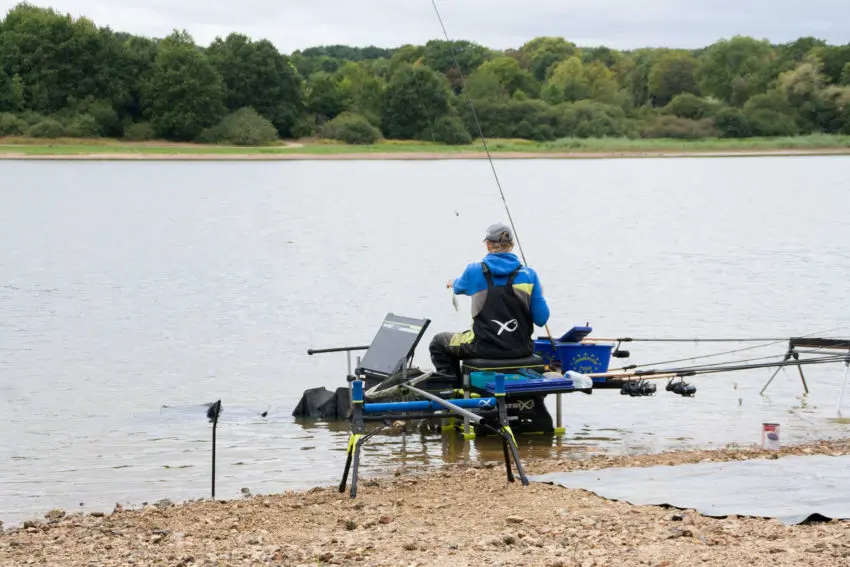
(55, 514)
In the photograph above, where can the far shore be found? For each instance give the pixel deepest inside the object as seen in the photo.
(106, 149)
(417, 156)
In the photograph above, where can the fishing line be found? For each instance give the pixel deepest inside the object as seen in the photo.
(486, 148)
(480, 131)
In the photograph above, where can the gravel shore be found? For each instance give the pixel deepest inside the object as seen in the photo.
(459, 515)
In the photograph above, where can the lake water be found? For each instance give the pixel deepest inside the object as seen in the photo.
(127, 287)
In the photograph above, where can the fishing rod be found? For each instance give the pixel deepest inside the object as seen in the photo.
(695, 340)
(734, 351)
(486, 148)
(682, 372)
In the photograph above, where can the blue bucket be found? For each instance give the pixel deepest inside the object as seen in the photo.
(584, 358)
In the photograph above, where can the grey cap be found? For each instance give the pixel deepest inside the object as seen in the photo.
(499, 232)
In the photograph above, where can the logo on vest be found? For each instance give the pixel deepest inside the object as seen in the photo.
(510, 326)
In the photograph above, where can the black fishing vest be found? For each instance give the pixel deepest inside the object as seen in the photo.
(504, 327)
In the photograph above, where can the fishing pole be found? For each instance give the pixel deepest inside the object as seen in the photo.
(735, 351)
(665, 373)
(486, 148)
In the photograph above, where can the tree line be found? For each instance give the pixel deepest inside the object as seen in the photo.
(61, 76)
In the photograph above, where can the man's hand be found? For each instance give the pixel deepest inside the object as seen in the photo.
(450, 284)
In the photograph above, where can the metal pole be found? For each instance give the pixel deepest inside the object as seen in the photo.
(559, 428)
(843, 385)
(212, 414)
(213, 459)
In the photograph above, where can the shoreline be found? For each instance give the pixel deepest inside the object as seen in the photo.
(418, 155)
(459, 514)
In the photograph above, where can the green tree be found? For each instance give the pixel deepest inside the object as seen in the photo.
(11, 93)
(571, 81)
(363, 90)
(601, 81)
(567, 82)
(728, 61)
(672, 74)
(834, 59)
(184, 94)
(256, 75)
(441, 55)
(59, 59)
(605, 55)
(633, 74)
(139, 57)
(415, 98)
(542, 53)
(845, 75)
(511, 76)
(802, 88)
(325, 98)
(485, 83)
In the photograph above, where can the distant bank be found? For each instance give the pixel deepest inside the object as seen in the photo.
(77, 149)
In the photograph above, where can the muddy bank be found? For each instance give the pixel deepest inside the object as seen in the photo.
(459, 515)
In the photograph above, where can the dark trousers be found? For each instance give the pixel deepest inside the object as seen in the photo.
(446, 356)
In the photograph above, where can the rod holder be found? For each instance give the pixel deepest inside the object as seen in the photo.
(213, 413)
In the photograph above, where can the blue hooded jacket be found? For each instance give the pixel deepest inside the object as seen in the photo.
(501, 264)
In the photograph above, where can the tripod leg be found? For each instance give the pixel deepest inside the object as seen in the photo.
(508, 468)
(511, 441)
(355, 468)
(352, 443)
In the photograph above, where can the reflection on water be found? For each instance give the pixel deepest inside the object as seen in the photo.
(126, 311)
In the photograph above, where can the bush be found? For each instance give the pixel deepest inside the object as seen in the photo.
(104, 116)
(765, 122)
(31, 118)
(47, 128)
(680, 128)
(304, 127)
(140, 132)
(450, 130)
(687, 105)
(731, 123)
(351, 129)
(245, 127)
(83, 126)
(590, 119)
(11, 125)
(529, 119)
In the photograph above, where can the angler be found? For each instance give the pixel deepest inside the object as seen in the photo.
(507, 301)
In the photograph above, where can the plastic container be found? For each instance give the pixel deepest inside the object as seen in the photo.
(770, 436)
(480, 379)
(584, 358)
(570, 354)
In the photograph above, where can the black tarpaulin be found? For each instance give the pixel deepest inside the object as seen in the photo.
(791, 489)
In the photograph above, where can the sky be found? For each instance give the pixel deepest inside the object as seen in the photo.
(498, 24)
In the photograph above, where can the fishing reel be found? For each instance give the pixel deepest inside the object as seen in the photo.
(636, 388)
(619, 353)
(682, 388)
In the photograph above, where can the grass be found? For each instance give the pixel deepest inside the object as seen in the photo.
(72, 146)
